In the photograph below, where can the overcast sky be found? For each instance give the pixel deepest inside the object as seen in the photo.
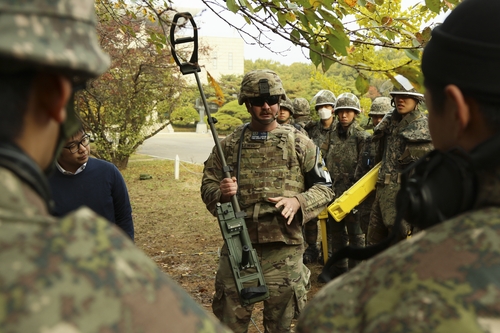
(210, 25)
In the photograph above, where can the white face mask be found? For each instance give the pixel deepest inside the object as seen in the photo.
(324, 113)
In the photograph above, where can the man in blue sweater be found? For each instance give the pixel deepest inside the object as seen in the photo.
(83, 181)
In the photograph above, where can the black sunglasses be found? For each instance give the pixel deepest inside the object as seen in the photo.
(259, 101)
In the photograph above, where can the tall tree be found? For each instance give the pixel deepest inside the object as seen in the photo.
(132, 101)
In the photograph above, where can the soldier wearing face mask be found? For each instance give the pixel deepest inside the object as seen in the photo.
(318, 132)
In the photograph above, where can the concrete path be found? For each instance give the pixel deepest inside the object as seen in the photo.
(191, 147)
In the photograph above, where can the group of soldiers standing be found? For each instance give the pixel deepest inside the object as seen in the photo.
(400, 136)
(288, 168)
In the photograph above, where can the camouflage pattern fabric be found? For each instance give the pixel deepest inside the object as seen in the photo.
(286, 277)
(81, 274)
(64, 36)
(301, 107)
(295, 152)
(271, 167)
(444, 279)
(319, 134)
(366, 164)
(344, 154)
(250, 87)
(401, 141)
(311, 233)
(287, 104)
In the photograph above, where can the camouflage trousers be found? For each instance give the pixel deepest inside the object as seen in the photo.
(286, 277)
(383, 214)
(346, 232)
(311, 232)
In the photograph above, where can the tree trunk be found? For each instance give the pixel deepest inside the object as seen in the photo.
(121, 162)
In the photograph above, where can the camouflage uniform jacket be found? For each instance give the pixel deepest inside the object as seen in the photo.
(345, 150)
(367, 158)
(401, 141)
(81, 274)
(319, 134)
(444, 279)
(272, 167)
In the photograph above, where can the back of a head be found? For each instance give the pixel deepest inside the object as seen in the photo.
(51, 35)
(380, 106)
(260, 83)
(466, 55)
(301, 107)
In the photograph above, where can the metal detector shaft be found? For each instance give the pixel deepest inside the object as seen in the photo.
(243, 258)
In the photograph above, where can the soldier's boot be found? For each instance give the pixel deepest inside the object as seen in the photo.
(356, 241)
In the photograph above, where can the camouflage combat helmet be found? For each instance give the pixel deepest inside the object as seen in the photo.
(287, 104)
(301, 107)
(46, 34)
(261, 82)
(380, 106)
(405, 88)
(347, 101)
(323, 97)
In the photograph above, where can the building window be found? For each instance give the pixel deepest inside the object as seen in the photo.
(230, 60)
(214, 60)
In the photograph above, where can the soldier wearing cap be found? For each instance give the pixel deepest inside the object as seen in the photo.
(345, 147)
(78, 273)
(402, 137)
(281, 183)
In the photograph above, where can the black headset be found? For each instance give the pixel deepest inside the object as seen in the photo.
(435, 188)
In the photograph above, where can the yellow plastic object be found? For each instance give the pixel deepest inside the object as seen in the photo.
(323, 217)
(354, 195)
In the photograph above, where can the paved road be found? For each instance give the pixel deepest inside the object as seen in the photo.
(191, 147)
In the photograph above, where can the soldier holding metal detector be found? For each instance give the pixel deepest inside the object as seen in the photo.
(281, 183)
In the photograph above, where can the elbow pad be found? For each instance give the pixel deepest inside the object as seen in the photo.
(318, 174)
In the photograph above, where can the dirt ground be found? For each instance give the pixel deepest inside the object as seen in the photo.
(174, 228)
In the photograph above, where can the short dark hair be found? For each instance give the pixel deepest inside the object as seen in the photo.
(14, 95)
(490, 110)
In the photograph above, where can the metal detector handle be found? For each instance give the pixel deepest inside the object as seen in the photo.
(191, 66)
(194, 68)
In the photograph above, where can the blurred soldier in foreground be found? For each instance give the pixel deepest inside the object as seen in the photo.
(345, 147)
(447, 277)
(401, 138)
(318, 132)
(281, 184)
(78, 273)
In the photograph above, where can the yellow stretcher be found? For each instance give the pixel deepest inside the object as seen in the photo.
(344, 204)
